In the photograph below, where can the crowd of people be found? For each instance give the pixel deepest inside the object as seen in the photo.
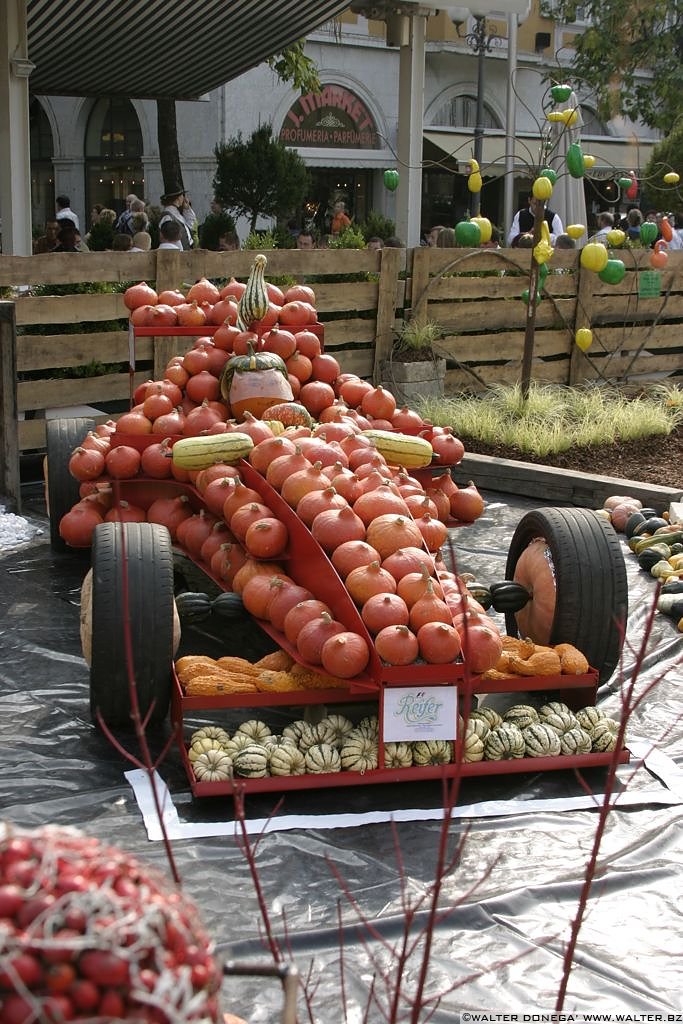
(174, 225)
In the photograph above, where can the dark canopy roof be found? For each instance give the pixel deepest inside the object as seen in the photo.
(150, 48)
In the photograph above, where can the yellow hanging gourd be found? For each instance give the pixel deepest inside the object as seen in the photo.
(542, 188)
(584, 338)
(594, 257)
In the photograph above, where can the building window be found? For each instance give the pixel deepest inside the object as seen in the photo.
(591, 123)
(461, 112)
(113, 154)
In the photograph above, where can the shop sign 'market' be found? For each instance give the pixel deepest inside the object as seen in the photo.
(335, 117)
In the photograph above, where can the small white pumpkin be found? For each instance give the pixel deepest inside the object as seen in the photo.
(341, 727)
(504, 743)
(286, 759)
(398, 755)
(212, 732)
(521, 715)
(359, 752)
(575, 741)
(589, 717)
(479, 726)
(212, 766)
(603, 738)
(426, 752)
(489, 715)
(251, 762)
(295, 730)
(322, 758)
(473, 746)
(541, 740)
(237, 742)
(201, 746)
(256, 730)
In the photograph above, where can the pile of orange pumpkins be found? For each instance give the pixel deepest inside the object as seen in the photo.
(381, 527)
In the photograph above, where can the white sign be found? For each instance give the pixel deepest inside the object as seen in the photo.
(420, 713)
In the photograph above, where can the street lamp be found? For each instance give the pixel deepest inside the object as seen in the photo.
(481, 41)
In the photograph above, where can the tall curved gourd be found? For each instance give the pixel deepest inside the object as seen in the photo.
(253, 303)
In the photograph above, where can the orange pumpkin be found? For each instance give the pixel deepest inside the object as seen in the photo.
(535, 571)
(254, 382)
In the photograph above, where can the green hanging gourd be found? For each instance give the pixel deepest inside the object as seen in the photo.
(575, 164)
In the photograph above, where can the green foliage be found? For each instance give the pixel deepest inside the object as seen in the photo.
(260, 177)
(211, 229)
(623, 37)
(666, 156)
(377, 226)
(260, 240)
(293, 66)
(349, 238)
(554, 418)
(418, 336)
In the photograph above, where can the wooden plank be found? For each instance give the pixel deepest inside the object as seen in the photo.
(75, 268)
(419, 289)
(478, 377)
(392, 262)
(349, 331)
(467, 317)
(10, 483)
(346, 296)
(631, 364)
(42, 351)
(57, 394)
(70, 309)
(506, 345)
(661, 336)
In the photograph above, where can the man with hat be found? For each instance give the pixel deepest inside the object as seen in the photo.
(177, 207)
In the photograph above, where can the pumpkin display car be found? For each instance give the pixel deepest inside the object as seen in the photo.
(317, 507)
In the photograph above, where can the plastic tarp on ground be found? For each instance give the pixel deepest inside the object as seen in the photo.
(525, 838)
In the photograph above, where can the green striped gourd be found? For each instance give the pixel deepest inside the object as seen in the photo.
(201, 745)
(401, 449)
(238, 742)
(251, 762)
(398, 755)
(575, 741)
(286, 759)
(323, 732)
(322, 758)
(426, 752)
(521, 715)
(561, 719)
(541, 740)
(208, 449)
(253, 303)
(370, 726)
(504, 743)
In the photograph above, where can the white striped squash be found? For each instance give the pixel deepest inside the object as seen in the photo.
(541, 740)
(213, 766)
(287, 759)
(426, 752)
(401, 449)
(575, 741)
(398, 755)
(604, 736)
(202, 452)
(473, 746)
(256, 730)
(251, 762)
(340, 725)
(504, 743)
(521, 715)
(322, 758)
(589, 717)
(488, 715)
(359, 752)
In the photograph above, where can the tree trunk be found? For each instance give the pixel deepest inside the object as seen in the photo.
(167, 137)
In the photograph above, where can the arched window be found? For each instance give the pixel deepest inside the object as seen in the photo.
(113, 154)
(461, 112)
(591, 124)
(42, 177)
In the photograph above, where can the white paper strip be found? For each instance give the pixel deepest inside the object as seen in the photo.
(654, 760)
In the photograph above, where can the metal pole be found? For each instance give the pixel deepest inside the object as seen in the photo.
(510, 125)
(480, 50)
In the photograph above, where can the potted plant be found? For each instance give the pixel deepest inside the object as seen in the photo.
(415, 369)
